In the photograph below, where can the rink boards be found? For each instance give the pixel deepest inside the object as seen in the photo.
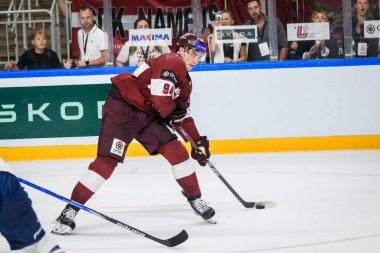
(248, 107)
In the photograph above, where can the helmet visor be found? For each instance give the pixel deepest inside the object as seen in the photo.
(201, 48)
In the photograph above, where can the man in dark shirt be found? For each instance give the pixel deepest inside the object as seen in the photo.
(260, 51)
(38, 57)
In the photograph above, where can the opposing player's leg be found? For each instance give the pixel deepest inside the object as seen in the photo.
(45, 245)
(18, 221)
(117, 131)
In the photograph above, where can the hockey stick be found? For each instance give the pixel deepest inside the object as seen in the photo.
(256, 205)
(171, 242)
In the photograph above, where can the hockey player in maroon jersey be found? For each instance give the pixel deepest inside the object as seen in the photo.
(140, 106)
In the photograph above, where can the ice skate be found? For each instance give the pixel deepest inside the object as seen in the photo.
(201, 208)
(46, 244)
(65, 222)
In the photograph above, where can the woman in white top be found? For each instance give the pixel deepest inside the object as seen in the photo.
(135, 56)
(227, 52)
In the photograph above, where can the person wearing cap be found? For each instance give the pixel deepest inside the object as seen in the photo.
(144, 106)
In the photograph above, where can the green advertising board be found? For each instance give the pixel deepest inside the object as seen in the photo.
(51, 111)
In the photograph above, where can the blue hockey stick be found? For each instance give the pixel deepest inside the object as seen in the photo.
(171, 242)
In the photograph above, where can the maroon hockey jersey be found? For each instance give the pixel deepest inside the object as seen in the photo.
(157, 86)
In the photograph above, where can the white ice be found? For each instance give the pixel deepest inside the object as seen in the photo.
(326, 202)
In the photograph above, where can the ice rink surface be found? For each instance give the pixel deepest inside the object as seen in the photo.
(326, 202)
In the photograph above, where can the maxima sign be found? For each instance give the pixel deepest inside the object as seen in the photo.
(150, 37)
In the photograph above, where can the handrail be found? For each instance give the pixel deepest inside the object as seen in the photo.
(68, 22)
(29, 18)
(25, 11)
(11, 4)
(16, 16)
(53, 4)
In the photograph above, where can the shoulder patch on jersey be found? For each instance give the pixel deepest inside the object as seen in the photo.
(169, 75)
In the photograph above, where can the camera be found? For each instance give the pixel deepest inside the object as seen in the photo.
(218, 16)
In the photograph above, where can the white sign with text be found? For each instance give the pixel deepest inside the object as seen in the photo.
(236, 34)
(308, 31)
(371, 29)
(150, 37)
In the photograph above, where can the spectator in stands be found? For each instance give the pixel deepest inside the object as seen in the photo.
(92, 41)
(227, 52)
(363, 47)
(320, 49)
(260, 51)
(38, 57)
(135, 56)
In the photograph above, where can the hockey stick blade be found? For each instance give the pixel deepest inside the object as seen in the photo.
(175, 240)
(256, 205)
(242, 201)
(171, 242)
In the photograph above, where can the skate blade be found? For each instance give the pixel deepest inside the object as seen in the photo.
(61, 229)
(211, 221)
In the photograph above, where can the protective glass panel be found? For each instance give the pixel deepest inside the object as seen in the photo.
(365, 28)
(227, 41)
(248, 32)
(315, 30)
(271, 42)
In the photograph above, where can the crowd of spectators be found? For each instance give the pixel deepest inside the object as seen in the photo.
(92, 42)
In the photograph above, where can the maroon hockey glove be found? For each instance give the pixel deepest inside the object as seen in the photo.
(178, 113)
(176, 116)
(203, 152)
